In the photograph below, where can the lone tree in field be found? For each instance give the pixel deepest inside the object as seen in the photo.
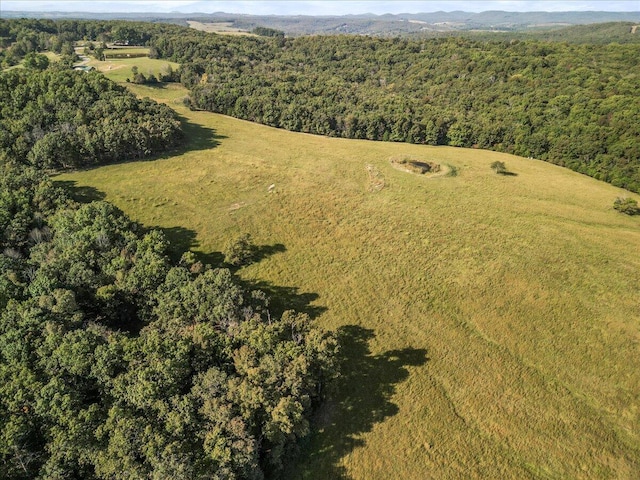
(626, 205)
(499, 167)
(240, 252)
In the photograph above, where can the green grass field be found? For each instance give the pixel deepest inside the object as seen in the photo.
(53, 57)
(490, 323)
(119, 69)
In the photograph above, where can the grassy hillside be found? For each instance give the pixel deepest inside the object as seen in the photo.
(490, 323)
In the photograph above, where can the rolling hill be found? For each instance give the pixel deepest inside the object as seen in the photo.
(489, 323)
(423, 24)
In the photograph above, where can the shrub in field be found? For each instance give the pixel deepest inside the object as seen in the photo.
(625, 205)
(499, 167)
(240, 252)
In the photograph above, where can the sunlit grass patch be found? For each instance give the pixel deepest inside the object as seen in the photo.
(221, 28)
(119, 69)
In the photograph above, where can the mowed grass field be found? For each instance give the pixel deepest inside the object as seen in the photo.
(119, 69)
(490, 324)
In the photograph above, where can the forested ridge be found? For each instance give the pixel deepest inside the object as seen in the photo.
(52, 117)
(21, 36)
(117, 363)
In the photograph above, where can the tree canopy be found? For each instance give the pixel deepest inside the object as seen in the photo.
(573, 105)
(117, 363)
(59, 118)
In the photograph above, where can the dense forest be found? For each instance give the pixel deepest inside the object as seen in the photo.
(596, 34)
(21, 36)
(543, 25)
(59, 118)
(115, 361)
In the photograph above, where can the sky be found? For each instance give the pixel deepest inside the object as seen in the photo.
(317, 7)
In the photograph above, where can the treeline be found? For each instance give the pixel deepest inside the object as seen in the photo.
(594, 33)
(59, 118)
(573, 105)
(267, 32)
(116, 362)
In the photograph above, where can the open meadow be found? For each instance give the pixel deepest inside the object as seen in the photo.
(222, 28)
(490, 323)
(119, 69)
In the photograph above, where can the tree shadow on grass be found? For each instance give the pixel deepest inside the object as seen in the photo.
(198, 137)
(81, 194)
(283, 298)
(361, 398)
(157, 86)
(182, 240)
(263, 251)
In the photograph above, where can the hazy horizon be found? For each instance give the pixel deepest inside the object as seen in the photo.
(315, 7)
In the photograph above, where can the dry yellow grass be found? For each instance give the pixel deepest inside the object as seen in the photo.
(491, 323)
(221, 28)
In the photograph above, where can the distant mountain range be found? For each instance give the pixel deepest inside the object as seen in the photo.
(369, 24)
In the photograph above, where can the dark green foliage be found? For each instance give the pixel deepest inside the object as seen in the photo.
(626, 205)
(139, 78)
(59, 118)
(267, 32)
(98, 53)
(35, 61)
(499, 167)
(600, 33)
(240, 252)
(26, 198)
(167, 74)
(116, 364)
(573, 105)
(19, 37)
